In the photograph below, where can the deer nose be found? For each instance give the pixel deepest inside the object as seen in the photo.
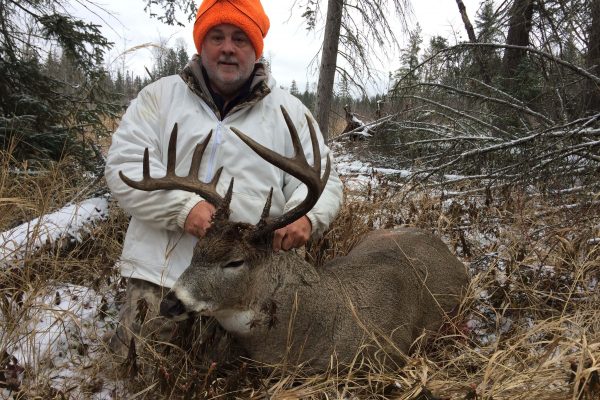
(171, 306)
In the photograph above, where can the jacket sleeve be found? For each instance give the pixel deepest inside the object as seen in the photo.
(141, 128)
(328, 206)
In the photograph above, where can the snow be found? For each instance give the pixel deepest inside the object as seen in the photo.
(65, 323)
(62, 318)
(70, 222)
(358, 175)
(357, 120)
(60, 325)
(60, 335)
(345, 167)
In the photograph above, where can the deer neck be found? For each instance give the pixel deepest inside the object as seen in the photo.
(280, 272)
(285, 269)
(237, 322)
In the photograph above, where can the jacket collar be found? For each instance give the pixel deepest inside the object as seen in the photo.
(193, 76)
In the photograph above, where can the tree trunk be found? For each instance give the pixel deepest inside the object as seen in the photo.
(466, 21)
(328, 63)
(477, 53)
(593, 58)
(518, 35)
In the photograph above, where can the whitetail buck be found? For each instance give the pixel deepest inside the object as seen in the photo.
(379, 298)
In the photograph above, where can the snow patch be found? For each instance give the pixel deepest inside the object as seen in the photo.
(70, 222)
(61, 334)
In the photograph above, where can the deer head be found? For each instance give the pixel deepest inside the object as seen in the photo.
(226, 258)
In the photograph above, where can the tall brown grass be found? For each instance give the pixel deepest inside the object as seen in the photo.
(528, 328)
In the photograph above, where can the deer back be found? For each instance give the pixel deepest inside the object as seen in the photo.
(385, 293)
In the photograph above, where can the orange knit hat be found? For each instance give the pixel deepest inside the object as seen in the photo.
(248, 15)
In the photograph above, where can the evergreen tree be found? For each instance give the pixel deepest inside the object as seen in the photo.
(120, 84)
(266, 62)
(435, 70)
(169, 61)
(489, 30)
(487, 23)
(137, 84)
(407, 74)
(294, 89)
(308, 97)
(182, 54)
(343, 91)
(46, 109)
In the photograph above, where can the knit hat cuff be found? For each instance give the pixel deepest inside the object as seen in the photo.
(248, 15)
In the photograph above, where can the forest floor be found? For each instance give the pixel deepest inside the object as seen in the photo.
(528, 328)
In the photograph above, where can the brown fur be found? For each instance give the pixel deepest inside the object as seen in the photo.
(382, 295)
(390, 288)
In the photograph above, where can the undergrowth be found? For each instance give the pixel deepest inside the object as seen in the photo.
(529, 326)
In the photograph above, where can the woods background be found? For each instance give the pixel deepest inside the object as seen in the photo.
(492, 143)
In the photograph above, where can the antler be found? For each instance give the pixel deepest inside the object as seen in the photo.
(296, 166)
(189, 183)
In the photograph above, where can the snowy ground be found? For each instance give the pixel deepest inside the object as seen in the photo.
(60, 336)
(61, 333)
(68, 223)
(60, 326)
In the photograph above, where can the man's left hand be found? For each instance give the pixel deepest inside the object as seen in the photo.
(293, 235)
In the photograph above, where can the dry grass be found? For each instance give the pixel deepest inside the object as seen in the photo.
(529, 327)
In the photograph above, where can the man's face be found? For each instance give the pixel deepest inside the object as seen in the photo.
(228, 57)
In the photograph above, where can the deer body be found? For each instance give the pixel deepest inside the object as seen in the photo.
(393, 285)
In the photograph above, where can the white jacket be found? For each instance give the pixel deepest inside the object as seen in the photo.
(156, 248)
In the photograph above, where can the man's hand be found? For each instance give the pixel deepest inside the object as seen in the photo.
(199, 219)
(293, 235)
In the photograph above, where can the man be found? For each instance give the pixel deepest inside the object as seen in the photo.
(222, 87)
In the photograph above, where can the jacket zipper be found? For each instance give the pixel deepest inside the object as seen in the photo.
(213, 151)
(218, 139)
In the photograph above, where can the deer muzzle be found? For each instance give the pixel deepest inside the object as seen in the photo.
(172, 307)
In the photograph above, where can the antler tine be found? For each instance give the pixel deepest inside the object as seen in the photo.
(223, 211)
(145, 165)
(171, 181)
(172, 152)
(298, 167)
(298, 151)
(315, 147)
(197, 157)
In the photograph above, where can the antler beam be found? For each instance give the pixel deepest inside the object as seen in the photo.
(298, 167)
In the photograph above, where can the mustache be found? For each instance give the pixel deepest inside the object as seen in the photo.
(228, 60)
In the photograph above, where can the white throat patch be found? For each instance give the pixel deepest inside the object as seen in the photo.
(236, 321)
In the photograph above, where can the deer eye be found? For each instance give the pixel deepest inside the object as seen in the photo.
(234, 264)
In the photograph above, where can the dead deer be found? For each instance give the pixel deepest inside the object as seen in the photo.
(393, 286)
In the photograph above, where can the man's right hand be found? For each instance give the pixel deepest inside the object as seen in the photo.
(199, 219)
